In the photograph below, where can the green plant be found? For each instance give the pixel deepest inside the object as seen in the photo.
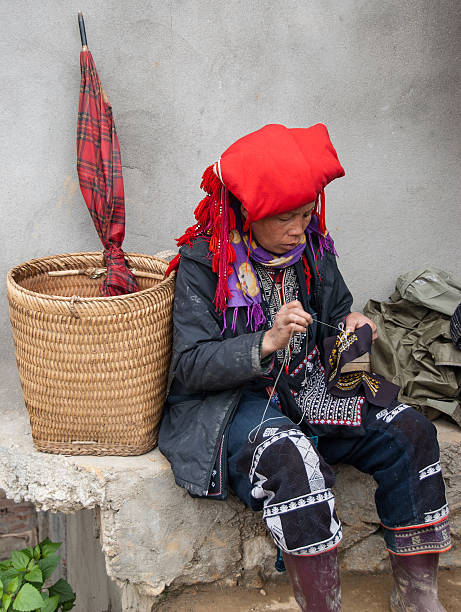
(22, 577)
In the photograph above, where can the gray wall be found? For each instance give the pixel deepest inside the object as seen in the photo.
(187, 78)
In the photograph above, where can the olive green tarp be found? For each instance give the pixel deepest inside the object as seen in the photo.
(414, 348)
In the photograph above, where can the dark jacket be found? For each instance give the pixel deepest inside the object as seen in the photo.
(210, 367)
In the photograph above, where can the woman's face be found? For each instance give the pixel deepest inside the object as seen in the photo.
(282, 233)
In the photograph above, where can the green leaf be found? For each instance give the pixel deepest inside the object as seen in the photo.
(67, 606)
(51, 603)
(37, 552)
(13, 585)
(4, 565)
(29, 551)
(49, 548)
(63, 589)
(35, 575)
(11, 573)
(1, 588)
(48, 565)
(19, 559)
(6, 600)
(27, 599)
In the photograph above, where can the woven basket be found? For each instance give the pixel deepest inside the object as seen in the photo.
(93, 369)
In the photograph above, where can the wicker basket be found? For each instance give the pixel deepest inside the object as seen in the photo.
(93, 369)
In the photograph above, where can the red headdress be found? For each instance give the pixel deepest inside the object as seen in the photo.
(270, 171)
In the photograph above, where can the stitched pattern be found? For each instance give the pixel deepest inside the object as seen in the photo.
(298, 502)
(430, 470)
(322, 408)
(435, 515)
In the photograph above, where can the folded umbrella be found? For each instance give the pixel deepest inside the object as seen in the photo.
(99, 170)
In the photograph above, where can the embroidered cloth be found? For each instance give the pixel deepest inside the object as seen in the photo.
(301, 390)
(344, 348)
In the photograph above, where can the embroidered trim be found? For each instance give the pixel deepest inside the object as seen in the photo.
(270, 431)
(343, 342)
(319, 546)
(275, 295)
(321, 408)
(429, 517)
(347, 382)
(430, 470)
(307, 361)
(309, 499)
(212, 484)
(388, 416)
(428, 538)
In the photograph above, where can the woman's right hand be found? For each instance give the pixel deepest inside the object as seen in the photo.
(290, 319)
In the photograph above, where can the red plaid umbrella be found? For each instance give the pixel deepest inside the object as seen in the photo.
(100, 174)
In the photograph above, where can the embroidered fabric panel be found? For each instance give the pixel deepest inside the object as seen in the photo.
(279, 288)
(343, 343)
(431, 538)
(294, 483)
(320, 407)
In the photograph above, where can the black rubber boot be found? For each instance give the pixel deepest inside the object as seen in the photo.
(415, 583)
(315, 581)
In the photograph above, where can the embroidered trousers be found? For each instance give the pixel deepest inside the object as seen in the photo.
(278, 469)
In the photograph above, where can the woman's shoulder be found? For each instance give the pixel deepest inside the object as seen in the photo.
(198, 249)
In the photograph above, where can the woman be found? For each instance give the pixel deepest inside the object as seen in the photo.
(257, 292)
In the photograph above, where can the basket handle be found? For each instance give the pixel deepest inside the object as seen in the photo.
(97, 272)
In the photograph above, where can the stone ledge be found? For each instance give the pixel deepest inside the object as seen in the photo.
(154, 535)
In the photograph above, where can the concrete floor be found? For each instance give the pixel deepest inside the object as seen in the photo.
(359, 594)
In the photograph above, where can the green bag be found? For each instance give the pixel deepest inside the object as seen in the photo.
(432, 288)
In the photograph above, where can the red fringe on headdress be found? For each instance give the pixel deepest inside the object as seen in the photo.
(216, 218)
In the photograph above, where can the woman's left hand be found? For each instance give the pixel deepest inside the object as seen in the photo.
(356, 320)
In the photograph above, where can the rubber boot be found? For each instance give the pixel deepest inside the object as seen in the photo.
(415, 583)
(315, 581)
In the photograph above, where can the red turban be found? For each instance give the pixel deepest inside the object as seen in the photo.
(277, 169)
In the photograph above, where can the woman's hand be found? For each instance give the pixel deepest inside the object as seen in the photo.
(290, 319)
(356, 320)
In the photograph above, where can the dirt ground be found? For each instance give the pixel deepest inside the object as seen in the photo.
(359, 594)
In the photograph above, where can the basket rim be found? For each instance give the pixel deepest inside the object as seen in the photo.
(103, 299)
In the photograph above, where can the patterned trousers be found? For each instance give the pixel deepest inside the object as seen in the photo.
(278, 469)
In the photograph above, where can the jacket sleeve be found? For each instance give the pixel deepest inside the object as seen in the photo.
(202, 359)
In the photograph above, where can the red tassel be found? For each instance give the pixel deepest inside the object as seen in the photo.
(210, 182)
(217, 224)
(189, 235)
(215, 263)
(174, 263)
(231, 219)
(214, 243)
(246, 225)
(230, 271)
(307, 273)
(202, 212)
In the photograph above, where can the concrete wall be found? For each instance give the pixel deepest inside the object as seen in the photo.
(186, 78)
